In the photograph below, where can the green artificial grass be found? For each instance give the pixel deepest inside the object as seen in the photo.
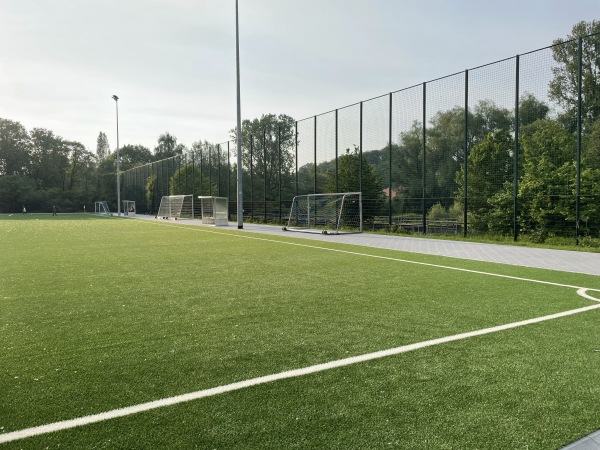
(103, 313)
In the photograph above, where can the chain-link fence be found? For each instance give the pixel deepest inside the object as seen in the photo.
(509, 148)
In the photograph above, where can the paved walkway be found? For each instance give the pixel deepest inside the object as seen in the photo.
(563, 260)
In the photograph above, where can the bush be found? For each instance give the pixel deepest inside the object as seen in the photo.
(589, 242)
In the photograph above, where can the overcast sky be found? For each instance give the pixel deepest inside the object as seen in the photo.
(172, 62)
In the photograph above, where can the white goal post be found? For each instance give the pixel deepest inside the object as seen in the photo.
(129, 208)
(101, 208)
(176, 206)
(214, 210)
(331, 213)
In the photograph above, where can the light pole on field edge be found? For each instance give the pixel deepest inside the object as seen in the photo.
(240, 202)
(116, 99)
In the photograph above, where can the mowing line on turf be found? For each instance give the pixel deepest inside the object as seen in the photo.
(170, 401)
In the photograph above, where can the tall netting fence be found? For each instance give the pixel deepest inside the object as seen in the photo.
(509, 148)
(206, 170)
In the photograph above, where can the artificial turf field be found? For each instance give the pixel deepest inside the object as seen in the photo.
(98, 314)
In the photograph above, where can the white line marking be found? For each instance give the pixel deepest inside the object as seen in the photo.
(388, 258)
(135, 409)
(583, 293)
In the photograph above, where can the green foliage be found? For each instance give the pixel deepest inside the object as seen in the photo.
(102, 146)
(349, 169)
(151, 195)
(14, 148)
(167, 147)
(563, 87)
(547, 186)
(15, 191)
(272, 141)
(490, 168)
(134, 155)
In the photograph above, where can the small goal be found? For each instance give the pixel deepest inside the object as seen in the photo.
(129, 208)
(176, 206)
(214, 210)
(333, 213)
(101, 208)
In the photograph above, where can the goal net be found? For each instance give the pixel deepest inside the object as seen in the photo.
(214, 210)
(101, 208)
(176, 206)
(129, 208)
(326, 213)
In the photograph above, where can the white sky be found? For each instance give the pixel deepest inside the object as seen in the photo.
(172, 62)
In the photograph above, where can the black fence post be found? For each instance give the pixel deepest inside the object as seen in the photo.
(466, 155)
(360, 151)
(210, 169)
(219, 170)
(579, 130)
(193, 177)
(315, 156)
(228, 178)
(251, 177)
(296, 145)
(337, 186)
(424, 171)
(390, 164)
(279, 166)
(516, 157)
(265, 173)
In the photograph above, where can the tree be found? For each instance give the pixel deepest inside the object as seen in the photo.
(167, 147)
(548, 182)
(50, 158)
(15, 148)
(269, 133)
(102, 147)
(531, 109)
(15, 191)
(349, 181)
(134, 155)
(564, 85)
(208, 160)
(77, 153)
(151, 195)
(490, 167)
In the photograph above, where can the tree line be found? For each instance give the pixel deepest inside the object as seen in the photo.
(39, 169)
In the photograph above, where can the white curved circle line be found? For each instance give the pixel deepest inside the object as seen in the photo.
(583, 293)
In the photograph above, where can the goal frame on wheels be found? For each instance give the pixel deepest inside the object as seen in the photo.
(327, 213)
(101, 207)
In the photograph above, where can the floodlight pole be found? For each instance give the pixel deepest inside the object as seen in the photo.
(240, 203)
(116, 99)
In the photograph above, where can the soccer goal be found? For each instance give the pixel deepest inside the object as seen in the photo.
(326, 213)
(176, 206)
(101, 208)
(129, 208)
(214, 210)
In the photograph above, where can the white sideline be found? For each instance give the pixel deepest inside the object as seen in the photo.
(388, 258)
(122, 412)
